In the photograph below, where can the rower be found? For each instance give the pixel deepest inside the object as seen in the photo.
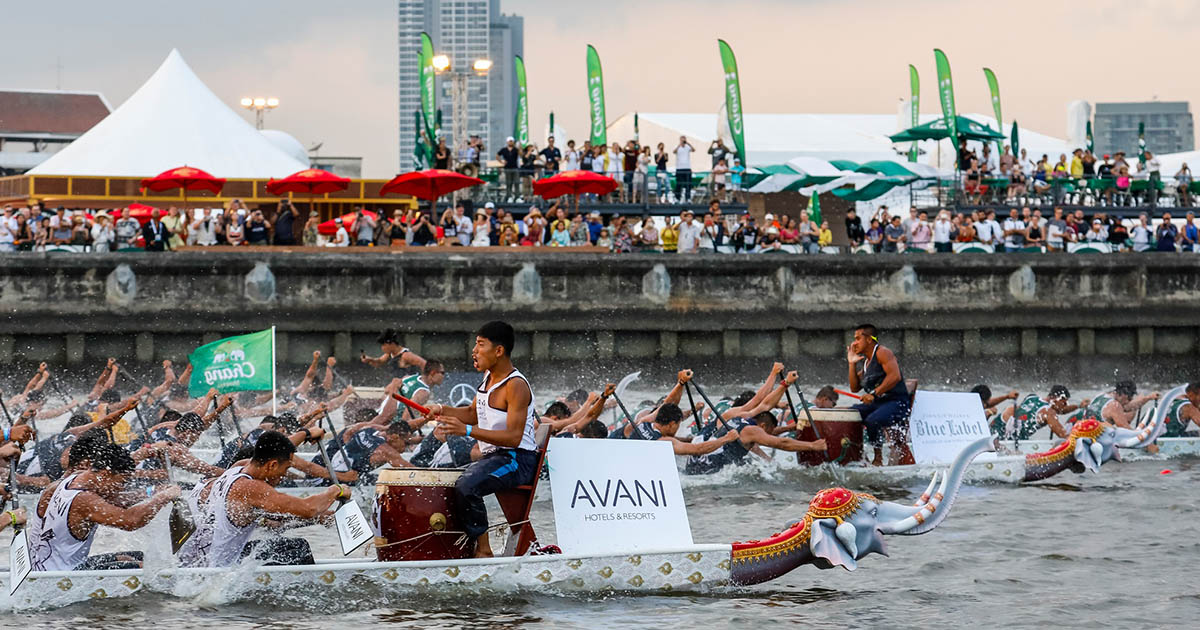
(1021, 421)
(584, 421)
(885, 400)
(503, 421)
(751, 432)
(991, 403)
(415, 387)
(51, 452)
(68, 513)
(367, 446)
(665, 426)
(625, 430)
(229, 508)
(1120, 406)
(1184, 410)
(395, 358)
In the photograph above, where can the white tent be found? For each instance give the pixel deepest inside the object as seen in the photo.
(172, 120)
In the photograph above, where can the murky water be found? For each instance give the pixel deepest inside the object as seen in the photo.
(1118, 549)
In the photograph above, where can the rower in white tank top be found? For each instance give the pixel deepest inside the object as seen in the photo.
(494, 419)
(217, 542)
(53, 546)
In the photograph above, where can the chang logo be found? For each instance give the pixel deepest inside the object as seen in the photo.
(229, 362)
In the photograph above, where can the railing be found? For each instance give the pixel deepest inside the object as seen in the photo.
(1129, 198)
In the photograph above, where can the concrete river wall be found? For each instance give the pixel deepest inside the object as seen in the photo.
(960, 319)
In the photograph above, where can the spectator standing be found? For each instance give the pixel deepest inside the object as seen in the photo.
(529, 167)
(810, 234)
(1014, 232)
(920, 235)
(1166, 234)
(8, 230)
(875, 236)
(826, 237)
(1035, 233)
(464, 229)
(670, 236)
(718, 151)
(1189, 236)
(736, 173)
(1183, 184)
(571, 157)
(941, 232)
(441, 160)
(708, 235)
(907, 224)
(586, 158)
(789, 231)
(683, 170)
(103, 234)
(258, 229)
(720, 173)
(311, 236)
(1141, 233)
(580, 233)
(661, 177)
(854, 228)
(481, 230)
(510, 159)
(155, 234)
(423, 232)
(551, 157)
(1097, 233)
(468, 159)
(1151, 165)
(648, 235)
(448, 225)
(595, 226)
(745, 237)
(285, 221)
(641, 175)
(893, 236)
(689, 233)
(177, 225)
(612, 167)
(201, 230)
(622, 235)
(629, 167)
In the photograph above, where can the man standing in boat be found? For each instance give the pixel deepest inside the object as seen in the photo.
(502, 420)
(875, 370)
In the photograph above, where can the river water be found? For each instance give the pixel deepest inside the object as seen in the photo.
(1116, 549)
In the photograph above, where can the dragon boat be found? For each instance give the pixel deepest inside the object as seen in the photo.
(838, 529)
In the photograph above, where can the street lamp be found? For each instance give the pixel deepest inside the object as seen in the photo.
(458, 89)
(260, 105)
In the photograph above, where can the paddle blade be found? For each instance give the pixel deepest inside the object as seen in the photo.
(182, 525)
(352, 528)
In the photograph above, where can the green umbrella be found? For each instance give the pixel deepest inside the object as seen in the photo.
(936, 130)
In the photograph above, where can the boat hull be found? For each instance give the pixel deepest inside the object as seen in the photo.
(697, 567)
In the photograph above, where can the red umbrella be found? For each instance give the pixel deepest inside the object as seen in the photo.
(140, 211)
(184, 177)
(329, 228)
(574, 183)
(430, 184)
(313, 181)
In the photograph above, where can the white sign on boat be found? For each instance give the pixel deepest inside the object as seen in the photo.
(19, 565)
(352, 527)
(942, 424)
(616, 494)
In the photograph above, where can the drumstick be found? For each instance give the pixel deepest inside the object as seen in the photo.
(412, 404)
(845, 393)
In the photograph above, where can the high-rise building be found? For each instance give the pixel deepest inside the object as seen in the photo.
(1168, 127)
(464, 31)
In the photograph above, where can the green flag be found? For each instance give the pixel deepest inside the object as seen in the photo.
(521, 128)
(1141, 141)
(733, 100)
(1016, 142)
(428, 93)
(595, 82)
(419, 148)
(1091, 144)
(244, 362)
(994, 87)
(814, 208)
(914, 82)
(946, 94)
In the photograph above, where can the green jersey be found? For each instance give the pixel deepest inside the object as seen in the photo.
(411, 385)
(1026, 421)
(1096, 407)
(1176, 425)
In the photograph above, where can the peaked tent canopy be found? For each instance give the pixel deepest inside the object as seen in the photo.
(936, 130)
(172, 119)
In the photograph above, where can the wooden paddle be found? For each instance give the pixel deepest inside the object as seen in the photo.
(181, 523)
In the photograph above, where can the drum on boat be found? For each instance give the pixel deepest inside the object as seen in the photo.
(843, 433)
(415, 515)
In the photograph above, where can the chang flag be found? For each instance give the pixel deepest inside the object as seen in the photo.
(814, 208)
(994, 87)
(733, 100)
(428, 93)
(595, 84)
(244, 362)
(946, 94)
(914, 82)
(521, 126)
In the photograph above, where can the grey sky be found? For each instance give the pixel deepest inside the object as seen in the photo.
(333, 64)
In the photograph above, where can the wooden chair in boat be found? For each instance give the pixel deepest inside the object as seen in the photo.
(517, 502)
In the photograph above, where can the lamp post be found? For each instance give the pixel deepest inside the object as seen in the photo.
(260, 105)
(458, 89)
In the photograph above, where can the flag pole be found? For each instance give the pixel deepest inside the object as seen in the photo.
(273, 370)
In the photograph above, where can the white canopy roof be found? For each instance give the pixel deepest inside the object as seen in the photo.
(172, 120)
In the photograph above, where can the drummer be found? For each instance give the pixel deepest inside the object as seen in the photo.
(875, 370)
(503, 421)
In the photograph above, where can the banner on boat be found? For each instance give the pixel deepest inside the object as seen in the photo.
(232, 364)
(616, 495)
(942, 424)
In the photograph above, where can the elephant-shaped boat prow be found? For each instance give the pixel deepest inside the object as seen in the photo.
(1091, 443)
(842, 526)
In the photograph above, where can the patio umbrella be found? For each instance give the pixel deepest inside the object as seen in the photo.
(574, 183)
(429, 185)
(329, 228)
(186, 178)
(313, 181)
(936, 130)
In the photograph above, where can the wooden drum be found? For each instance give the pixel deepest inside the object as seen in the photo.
(842, 429)
(415, 515)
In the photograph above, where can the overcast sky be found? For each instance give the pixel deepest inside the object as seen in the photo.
(334, 64)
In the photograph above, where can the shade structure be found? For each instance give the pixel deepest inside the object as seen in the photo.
(139, 211)
(185, 177)
(936, 130)
(428, 184)
(310, 181)
(329, 228)
(574, 183)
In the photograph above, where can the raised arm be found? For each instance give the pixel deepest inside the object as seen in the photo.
(101, 381)
(327, 383)
(225, 402)
(762, 393)
(168, 381)
(107, 421)
(186, 377)
(772, 399)
(309, 375)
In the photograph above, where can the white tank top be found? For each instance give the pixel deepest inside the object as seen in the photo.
(494, 419)
(217, 542)
(54, 547)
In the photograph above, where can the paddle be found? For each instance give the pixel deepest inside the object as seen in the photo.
(807, 413)
(19, 564)
(236, 423)
(698, 423)
(181, 523)
(633, 429)
(351, 524)
(338, 443)
(710, 404)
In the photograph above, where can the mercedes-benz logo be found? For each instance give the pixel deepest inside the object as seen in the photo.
(462, 395)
